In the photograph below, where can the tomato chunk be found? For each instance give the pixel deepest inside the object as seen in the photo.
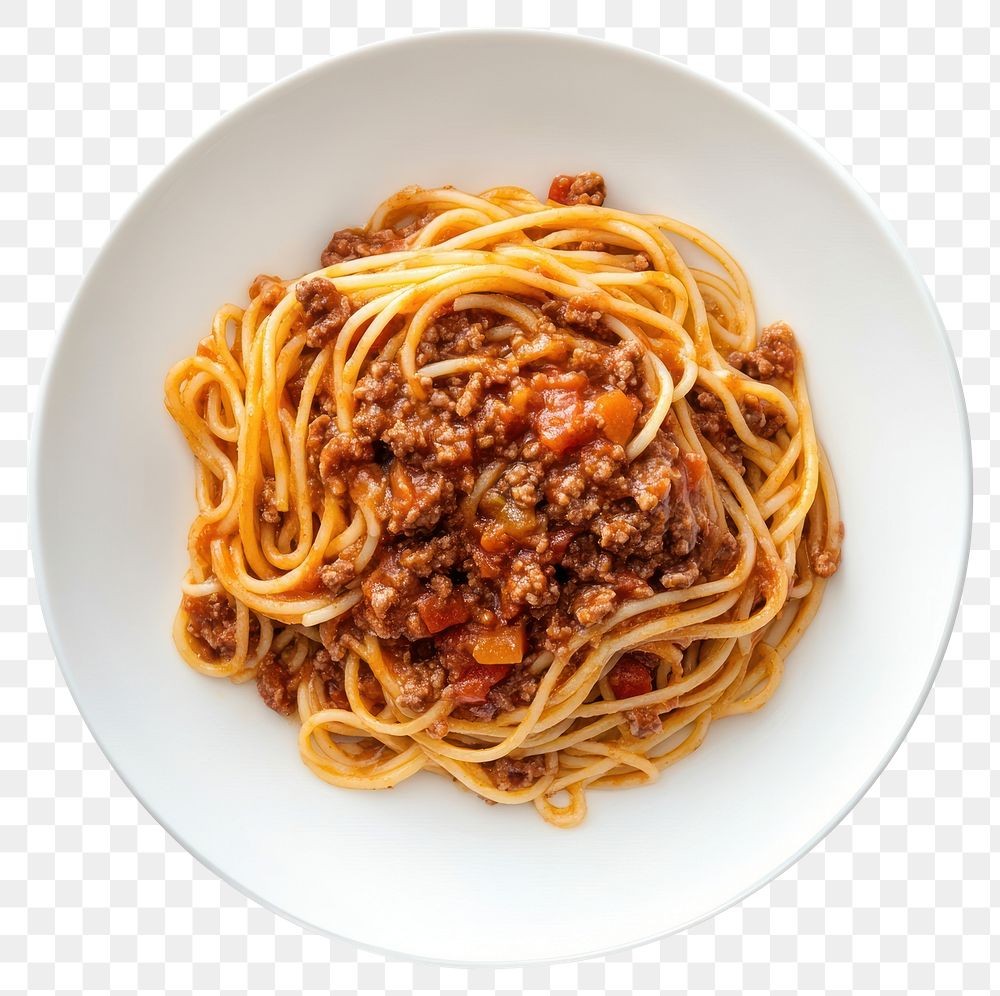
(438, 613)
(475, 682)
(618, 412)
(629, 678)
(502, 645)
(559, 189)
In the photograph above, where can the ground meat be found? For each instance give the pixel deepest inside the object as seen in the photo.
(563, 528)
(420, 684)
(338, 456)
(325, 309)
(269, 289)
(763, 418)
(277, 685)
(295, 383)
(825, 561)
(584, 188)
(471, 395)
(581, 311)
(212, 618)
(431, 555)
(517, 690)
(710, 419)
(268, 508)
(512, 773)
(336, 574)
(773, 357)
(354, 243)
(644, 721)
(528, 582)
(390, 592)
(419, 500)
(592, 603)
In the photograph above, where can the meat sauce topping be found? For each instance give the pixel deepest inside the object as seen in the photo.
(511, 517)
(464, 594)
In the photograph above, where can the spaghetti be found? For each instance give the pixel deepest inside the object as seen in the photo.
(507, 491)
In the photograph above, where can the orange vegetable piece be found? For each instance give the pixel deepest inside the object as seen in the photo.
(618, 412)
(475, 682)
(503, 645)
(439, 613)
(629, 678)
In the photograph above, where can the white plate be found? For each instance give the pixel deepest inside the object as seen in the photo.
(428, 870)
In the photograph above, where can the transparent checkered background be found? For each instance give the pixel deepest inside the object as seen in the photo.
(94, 895)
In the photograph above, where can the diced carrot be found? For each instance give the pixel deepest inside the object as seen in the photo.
(502, 645)
(438, 613)
(618, 412)
(629, 678)
(562, 423)
(493, 538)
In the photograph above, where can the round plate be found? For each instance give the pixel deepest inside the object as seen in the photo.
(428, 870)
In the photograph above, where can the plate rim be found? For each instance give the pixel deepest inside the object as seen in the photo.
(749, 105)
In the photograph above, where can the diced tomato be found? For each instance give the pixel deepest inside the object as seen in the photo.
(559, 190)
(696, 465)
(618, 412)
(439, 613)
(475, 682)
(629, 678)
(561, 417)
(500, 645)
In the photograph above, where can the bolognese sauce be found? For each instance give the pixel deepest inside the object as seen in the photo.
(509, 519)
